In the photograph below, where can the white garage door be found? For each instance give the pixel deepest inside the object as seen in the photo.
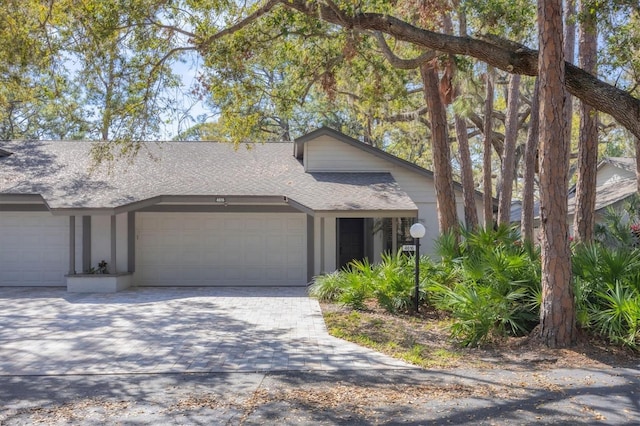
(220, 249)
(33, 249)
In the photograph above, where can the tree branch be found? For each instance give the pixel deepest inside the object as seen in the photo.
(395, 61)
(409, 116)
(522, 60)
(270, 4)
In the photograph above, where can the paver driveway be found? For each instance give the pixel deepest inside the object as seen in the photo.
(161, 330)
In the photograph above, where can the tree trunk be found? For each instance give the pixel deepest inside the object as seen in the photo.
(466, 166)
(443, 176)
(584, 218)
(557, 312)
(530, 163)
(466, 174)
(509, 153)
(486, 156)
(569, 55)
(637, 143)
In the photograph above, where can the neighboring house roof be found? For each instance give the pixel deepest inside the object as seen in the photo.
(607, 193)
(59, 172)
(625, 163)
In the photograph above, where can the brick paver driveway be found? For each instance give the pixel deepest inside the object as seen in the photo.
(162, 330)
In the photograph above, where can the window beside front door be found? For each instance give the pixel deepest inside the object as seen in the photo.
(395, 233)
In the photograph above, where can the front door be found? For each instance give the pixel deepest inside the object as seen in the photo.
(351, 240)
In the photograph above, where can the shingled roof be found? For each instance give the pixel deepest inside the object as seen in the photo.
(60, 172)
(608, 193)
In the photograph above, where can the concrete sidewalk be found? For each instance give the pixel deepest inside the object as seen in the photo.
(171, 330)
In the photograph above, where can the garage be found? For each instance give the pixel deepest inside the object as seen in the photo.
(220, 249)
(33, 249)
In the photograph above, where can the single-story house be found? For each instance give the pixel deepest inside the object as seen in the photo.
(615, 182)
(200, 213)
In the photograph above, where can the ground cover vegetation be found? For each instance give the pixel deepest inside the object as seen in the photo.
(402, 75)
(488, 288)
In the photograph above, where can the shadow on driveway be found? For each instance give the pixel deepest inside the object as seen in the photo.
(171, 330)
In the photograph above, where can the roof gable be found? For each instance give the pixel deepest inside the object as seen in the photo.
(341, 137)
(624, 163)
(392, 159)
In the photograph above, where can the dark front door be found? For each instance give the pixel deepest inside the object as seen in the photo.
(351, 240)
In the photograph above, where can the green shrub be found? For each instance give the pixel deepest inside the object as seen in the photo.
(394, 286)
(358, 284)
(617, 314)
(329, 287)
(607, 290)
(492, 288)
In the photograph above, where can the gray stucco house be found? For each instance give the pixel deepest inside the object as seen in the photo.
(199, 214)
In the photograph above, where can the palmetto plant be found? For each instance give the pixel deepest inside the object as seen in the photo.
(607, 289)
(328, 287)
(617, 314)
(394, 286)
(497, 291)
(359, 277)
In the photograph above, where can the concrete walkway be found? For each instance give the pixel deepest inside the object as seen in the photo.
(47, 331)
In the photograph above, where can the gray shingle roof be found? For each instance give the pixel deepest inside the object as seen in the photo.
(608, 193)
(625, 163)
(60, 172)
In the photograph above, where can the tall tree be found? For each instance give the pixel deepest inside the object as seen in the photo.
(569, 54)
(123, 71)
(466, 164)
(530, 166)
(445, 195)
(557, 311)
(585, 199)
(37, 98)
(466, 170)
(509, 153)
(486, 156)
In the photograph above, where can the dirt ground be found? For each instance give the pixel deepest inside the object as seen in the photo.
(429, 328)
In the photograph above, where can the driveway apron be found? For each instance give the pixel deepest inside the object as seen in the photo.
(47, 331)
